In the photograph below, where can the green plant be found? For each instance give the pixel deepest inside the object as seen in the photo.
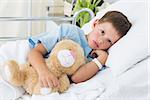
(84, 17)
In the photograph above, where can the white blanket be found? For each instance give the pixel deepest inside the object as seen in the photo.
(88, 90)
(16, 50)
(131, 85)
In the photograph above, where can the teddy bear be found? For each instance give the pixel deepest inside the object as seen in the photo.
(65, 58)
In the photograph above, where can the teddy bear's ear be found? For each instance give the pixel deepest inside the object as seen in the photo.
(66, 58)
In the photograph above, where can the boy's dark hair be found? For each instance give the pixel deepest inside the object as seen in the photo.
(118, 20)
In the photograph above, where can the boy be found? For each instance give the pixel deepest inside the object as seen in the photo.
(106, 31)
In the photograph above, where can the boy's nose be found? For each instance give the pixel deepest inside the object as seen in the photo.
(100, 41)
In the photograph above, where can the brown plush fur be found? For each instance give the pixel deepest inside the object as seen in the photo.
(25, 75)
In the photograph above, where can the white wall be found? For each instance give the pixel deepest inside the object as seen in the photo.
(38, 10)
(21, 8)
(13, 8)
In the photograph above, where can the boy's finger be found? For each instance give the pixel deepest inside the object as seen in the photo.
(41, 84)
(50, 84)
(45, 83)
(56, 83)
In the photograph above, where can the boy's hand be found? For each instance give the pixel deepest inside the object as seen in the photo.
(47, 79)
(102, 55)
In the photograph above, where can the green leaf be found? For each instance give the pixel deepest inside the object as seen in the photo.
(98, 1)
(84, 17)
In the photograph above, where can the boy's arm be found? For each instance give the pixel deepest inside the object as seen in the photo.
(36, 59)
(88, 70)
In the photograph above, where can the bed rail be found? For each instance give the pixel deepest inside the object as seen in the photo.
(63, 18)
(38, 19)
(12, 38)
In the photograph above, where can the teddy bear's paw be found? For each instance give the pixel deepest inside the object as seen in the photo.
(45, 91)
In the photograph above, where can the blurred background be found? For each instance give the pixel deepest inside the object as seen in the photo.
(44, 8)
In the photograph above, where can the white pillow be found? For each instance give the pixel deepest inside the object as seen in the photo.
(134, 46)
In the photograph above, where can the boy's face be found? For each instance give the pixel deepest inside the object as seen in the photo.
(103, 36)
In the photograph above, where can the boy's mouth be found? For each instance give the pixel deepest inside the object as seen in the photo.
(95, 44)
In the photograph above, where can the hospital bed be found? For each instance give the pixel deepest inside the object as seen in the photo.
(126, 75)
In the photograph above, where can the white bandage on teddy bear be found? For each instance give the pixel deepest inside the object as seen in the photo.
(99, 65)
(66, 58)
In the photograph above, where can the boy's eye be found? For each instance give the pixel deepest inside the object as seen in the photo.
(109, 41)
(103, 33)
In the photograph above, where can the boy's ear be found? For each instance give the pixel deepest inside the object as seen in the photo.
(95, 23)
